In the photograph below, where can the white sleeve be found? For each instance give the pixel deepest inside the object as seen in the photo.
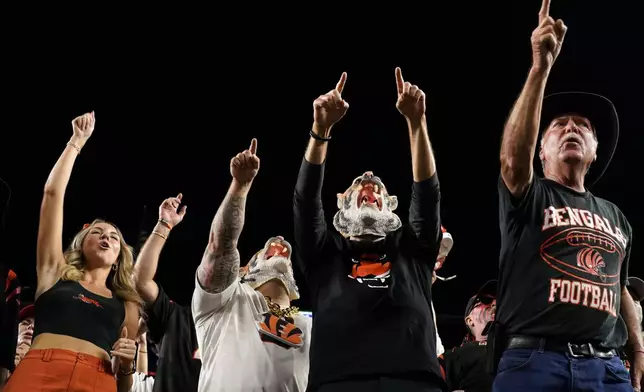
(439, 343)
(142, 383)
(205, 303)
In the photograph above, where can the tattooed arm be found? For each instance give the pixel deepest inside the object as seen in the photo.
(220, 263)
(219, 269)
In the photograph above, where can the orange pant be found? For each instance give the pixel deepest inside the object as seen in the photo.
(56, 370)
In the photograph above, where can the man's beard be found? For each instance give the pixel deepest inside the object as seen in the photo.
(277, 267)
(356, 222)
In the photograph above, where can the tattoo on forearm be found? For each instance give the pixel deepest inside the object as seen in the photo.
(228, 223)
(217, 272)
(220, 264)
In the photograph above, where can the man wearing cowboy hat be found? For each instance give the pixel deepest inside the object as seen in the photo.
(564, 251)
(464, 367)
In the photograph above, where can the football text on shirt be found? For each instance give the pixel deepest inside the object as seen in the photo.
(583, 294)
(581, 248)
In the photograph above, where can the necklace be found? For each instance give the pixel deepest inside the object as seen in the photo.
(276, 310)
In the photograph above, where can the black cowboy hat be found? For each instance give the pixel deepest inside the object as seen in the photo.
(485, 295)
(636, 288)
(602, 115)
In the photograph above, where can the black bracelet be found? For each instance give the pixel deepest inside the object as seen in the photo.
(320, 138)
(129, 372)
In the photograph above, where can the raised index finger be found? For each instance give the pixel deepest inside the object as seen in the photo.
(340, 86)
(399, 80)
(253, 146)
(545, 10)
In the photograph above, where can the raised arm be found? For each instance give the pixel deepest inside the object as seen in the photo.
(522, 128)
(220, 263)
(49, 253)
(328, 109)
(411, 104)
(310, 225)
(148, 259)
(424, 209)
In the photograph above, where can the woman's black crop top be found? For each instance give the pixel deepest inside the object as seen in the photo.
(69, 309)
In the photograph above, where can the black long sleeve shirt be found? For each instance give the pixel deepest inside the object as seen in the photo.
(371, 302)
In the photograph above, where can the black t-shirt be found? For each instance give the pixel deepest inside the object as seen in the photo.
(564, 260)
(371, 302)
(172, 325)
(9, 310)
(464, 368)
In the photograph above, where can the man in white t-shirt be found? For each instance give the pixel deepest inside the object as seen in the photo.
(251, 338)
(141, 382)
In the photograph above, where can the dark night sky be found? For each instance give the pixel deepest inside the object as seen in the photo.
(173, 105)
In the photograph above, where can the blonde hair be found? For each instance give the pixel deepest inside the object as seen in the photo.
(121, 281)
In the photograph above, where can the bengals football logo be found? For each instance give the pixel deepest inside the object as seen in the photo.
(591, 248)
(88, 300)
(281, 331)
(374, 270)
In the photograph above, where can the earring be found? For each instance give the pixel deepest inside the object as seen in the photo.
(114, 267)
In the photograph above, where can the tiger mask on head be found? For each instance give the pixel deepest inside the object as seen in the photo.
(366, 209)
(272, 262)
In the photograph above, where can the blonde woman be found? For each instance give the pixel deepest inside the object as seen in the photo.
(85, 298)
